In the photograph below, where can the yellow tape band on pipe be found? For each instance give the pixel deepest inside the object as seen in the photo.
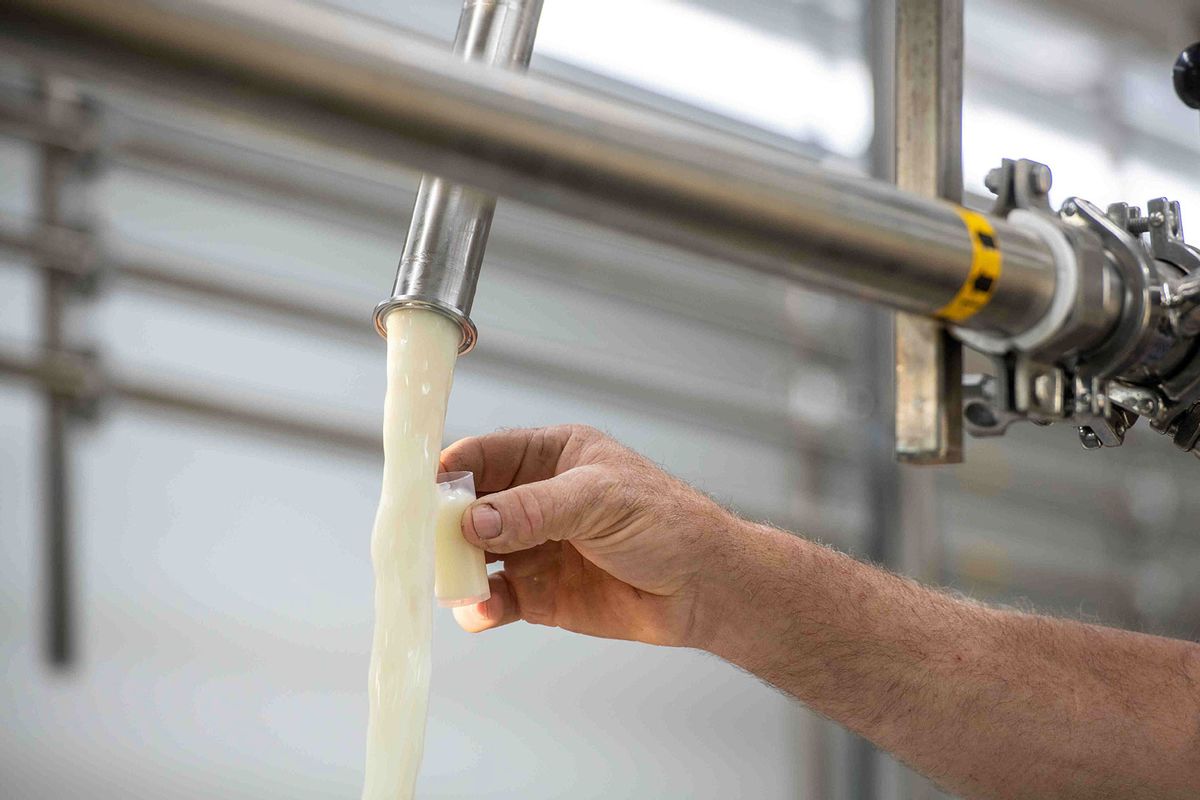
(986, 266)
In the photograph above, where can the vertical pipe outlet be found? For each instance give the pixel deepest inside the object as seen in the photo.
(439, 268)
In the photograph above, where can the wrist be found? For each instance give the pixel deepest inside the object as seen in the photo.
(746, 559)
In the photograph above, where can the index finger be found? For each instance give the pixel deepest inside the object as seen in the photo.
(510, 458)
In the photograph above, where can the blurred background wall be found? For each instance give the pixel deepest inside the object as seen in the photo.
(220, 561)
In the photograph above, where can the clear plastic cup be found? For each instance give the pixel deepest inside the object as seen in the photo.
(460, 570)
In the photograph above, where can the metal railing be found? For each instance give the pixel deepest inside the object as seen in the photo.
(547, 144)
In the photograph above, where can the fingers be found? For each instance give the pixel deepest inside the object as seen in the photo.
(508, 458)
(577, 504)
(499, 609)
(524, 589)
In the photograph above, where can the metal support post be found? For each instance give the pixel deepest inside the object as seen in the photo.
(927, 138)
(58, 205)
(929, 63)
(881, 494)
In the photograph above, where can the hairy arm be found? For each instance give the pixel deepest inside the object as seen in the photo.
(988, 703)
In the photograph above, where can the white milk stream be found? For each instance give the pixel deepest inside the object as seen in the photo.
(421, 349)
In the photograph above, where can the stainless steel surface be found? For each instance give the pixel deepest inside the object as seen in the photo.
(1114, 348)
(443, 254)
(929, 75)
(1136, 335)
(554, 146)
(1014, 543)
(1089, 295)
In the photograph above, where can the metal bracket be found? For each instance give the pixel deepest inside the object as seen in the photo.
(1102, 423)
(1020, 183)
(71, 252)
(76, 377)
(63, 169)
(928, 115)
(985, 405)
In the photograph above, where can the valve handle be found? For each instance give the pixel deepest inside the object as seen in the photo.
(1187, 76)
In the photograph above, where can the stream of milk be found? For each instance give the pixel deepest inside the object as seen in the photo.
(421, 350)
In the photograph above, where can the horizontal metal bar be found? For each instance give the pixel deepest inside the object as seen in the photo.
(678, 394)
(68, 373)
(558, 147)
(207, 151)
(70, 376)
(675, 393)
(195, 400)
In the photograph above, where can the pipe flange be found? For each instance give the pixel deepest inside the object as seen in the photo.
(1066, 266)
(469, 333)
(1135, 333)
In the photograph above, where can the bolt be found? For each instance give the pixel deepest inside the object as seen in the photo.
(994, 180)
(1139, 225)
(1070, 209)
(1043, 391)
(1157, 219)
(1043, 179)
(981, 415)
(1089, 439)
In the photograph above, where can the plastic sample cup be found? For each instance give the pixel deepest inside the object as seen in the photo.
(460, 570)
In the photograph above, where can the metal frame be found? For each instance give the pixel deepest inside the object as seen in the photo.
(554, 146)
(928, 118)
(65, 374)
(61, 165)
(702, 190)
(193, 280)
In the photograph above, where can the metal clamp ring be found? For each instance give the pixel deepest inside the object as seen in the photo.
(1066, 267)
(469, 333)
(1135, 330)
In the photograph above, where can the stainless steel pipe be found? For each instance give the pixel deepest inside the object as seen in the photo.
(443, 254)
(551, 145)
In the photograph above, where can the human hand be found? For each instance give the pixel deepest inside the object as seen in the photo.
(594, 538)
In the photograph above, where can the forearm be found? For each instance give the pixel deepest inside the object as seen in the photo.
(988, 703)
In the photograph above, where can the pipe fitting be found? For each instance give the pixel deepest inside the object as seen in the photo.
(443, 253)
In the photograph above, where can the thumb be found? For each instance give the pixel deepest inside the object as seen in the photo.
(568, 506)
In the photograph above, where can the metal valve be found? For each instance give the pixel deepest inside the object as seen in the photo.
(1073, 369)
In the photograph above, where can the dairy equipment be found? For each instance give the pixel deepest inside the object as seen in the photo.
(450, 223)
(1090, 320)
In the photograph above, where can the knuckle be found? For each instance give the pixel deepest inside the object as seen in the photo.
(543, 448)
(588, 445)
(583, 432)
(626, 499)
(615, 491)
(528, 515)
